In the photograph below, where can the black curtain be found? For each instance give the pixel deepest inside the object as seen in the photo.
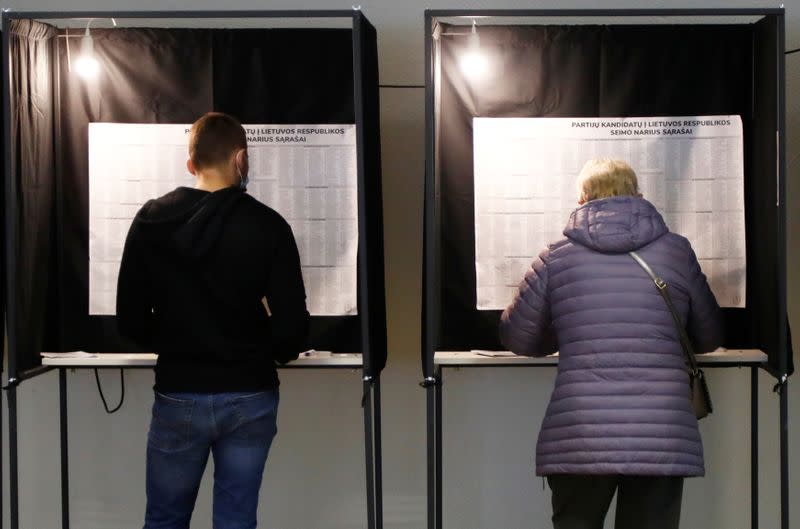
(604, 71)
(537, 71)
(771, 249)
(147, 76)
(32, 175)
(374, 332)
(174, 76)
(287, 76)
(284, 75)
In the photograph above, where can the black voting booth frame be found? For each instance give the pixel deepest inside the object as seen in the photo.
(366, 332)
(450, 320)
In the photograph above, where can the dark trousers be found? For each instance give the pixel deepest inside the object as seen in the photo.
(643, 502)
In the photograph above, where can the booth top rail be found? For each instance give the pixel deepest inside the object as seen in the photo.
(102, 360)
(293, 13)
(637, 12)
(720, 358)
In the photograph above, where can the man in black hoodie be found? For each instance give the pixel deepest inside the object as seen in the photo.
(210, 280)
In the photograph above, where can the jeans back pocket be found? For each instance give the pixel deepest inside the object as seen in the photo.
(255, 415)
(170, 427)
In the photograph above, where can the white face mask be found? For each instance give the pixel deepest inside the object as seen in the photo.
(243, 180)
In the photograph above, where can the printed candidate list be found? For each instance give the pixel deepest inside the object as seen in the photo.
(526, 185)
(305, 172)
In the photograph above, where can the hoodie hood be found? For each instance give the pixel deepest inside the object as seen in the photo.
(188, 221)
(616, 224)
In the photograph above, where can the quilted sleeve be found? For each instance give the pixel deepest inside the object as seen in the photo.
(704, 323)
(524, 325)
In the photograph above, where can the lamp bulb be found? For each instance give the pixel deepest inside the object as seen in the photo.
(474, 63)
(87, 66)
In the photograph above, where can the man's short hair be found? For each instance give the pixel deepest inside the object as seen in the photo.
(214, 138)
(604, 177)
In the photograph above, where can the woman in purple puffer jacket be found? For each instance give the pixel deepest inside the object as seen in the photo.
(619, 419)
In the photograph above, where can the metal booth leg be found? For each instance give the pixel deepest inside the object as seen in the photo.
(437, 389)
(1, 457)
(784, 436)
(13, 455)
(62, 395)
(433, 392)
(431, 442)
(368, 451)
(377, 433)
(754, 447)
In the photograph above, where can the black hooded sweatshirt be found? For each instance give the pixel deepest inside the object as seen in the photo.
(212, 283)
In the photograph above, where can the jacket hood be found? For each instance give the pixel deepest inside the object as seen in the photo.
(187, 221)
(615, 224)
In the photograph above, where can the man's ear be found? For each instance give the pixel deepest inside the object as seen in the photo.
(190, 167)
(240, 159)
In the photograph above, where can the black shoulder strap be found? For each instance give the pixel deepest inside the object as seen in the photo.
(661, 285)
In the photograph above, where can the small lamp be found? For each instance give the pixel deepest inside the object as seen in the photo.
(474, 62)
(86, 65)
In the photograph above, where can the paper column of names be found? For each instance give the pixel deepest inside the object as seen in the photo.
(526, 169)
(305, 172)
(312, 184)
(128, 165)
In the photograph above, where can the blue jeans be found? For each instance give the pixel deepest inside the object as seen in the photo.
(237, 428)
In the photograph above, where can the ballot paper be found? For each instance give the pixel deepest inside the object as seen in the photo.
(305, 172)
(69, 354)
(526, 186)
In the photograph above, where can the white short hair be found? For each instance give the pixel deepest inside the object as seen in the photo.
(605, 177)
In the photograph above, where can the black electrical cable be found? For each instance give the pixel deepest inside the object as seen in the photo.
(103, 397)
(792, 51)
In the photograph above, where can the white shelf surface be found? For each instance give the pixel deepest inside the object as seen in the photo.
(718, 358)
(314, 359)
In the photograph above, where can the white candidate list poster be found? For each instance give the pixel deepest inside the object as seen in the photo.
(526, 186)
(305, 172)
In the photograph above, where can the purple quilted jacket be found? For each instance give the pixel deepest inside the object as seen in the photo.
(621, 399)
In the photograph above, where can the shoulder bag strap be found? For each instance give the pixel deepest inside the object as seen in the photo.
(661, 285)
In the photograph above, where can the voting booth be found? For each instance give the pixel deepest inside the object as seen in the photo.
(517, 101)
(97, 107)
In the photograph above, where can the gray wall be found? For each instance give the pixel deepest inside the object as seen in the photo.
(315, 476)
